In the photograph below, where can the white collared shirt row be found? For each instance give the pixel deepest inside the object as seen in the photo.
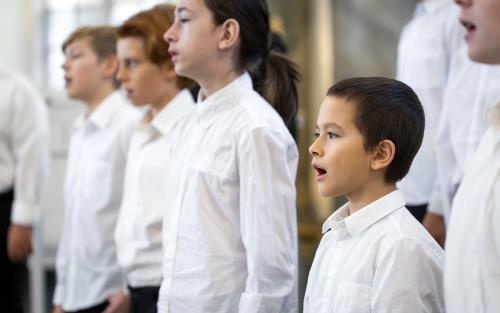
(86, 266)
(230, 233)
(24, 144)
(139, 228)
(379, 259)
(472, 269)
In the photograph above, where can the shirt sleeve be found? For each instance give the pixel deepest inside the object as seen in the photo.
(489, 254)
(267, 169)
(435, 205)
(409, 280)
(30, 148)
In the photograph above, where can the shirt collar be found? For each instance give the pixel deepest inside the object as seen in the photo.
(179, 106)
(366, 216)
(104, 112)
(206, 110)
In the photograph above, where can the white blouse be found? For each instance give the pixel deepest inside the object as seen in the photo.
(24, 144)
(230, 234)
(139, 229)
(424, 56)
(472, 268)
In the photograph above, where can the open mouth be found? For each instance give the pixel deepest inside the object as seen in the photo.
(320, 172)
(67, 81)
(468, 26)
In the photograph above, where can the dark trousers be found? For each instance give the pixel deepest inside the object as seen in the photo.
(418, 211)
(95, 309)
(13, 276)
(143, 299)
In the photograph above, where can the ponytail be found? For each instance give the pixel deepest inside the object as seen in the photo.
(276, 79)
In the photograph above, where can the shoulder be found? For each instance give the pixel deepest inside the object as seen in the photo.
(404, 235)
(254, 116)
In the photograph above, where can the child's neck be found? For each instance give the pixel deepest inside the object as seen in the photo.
(368, 194)
(216, 81)
(94, 100)
(163, 101)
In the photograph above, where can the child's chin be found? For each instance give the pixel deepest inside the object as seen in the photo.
(326, 193)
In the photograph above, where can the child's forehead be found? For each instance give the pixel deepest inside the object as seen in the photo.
(80, 43)
(336, 110)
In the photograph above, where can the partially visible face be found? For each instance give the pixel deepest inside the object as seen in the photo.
(339, 159)
(143, 80)
(193, 39)
(82, 70)
(481, 19)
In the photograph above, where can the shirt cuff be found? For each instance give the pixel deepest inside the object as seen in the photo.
(22, 214)
(258, 303)
(58, 295)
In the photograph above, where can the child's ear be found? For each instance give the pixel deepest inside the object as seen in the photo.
(383, 154)
(110, 66)
(230, 33)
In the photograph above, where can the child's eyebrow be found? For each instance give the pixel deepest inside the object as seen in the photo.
(331, 124)
(179, 10)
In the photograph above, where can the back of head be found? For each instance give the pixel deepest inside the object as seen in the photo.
(280, 78)
(385, 109)
(150, 25)
(102, 40)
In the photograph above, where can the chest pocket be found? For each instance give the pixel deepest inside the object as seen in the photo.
(353, 298)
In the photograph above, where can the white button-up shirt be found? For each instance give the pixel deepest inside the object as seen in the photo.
(24, 146)
(86, 266)
(139, 229)
(472, 269)
(379, 259)
(230, 234)
(471, 91)
(424, 54)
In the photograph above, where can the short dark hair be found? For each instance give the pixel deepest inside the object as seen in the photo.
(385, 109)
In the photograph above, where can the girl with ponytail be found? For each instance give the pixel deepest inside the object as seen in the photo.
(230, 233)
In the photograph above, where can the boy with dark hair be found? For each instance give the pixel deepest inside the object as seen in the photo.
(374, 255)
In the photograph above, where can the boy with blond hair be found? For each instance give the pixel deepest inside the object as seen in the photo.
(88, 276)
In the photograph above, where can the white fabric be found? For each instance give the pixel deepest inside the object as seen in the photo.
(471, 90)
(24, 146)
(86, 266)
(230, 234)
(424, 52)
(472, 268)
(379, 259)
(139, 229)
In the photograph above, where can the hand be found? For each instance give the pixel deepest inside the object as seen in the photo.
(18, 242)
(435, 226)
(118, 303)
(57, 309)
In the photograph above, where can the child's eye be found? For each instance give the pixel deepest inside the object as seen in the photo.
(316, 134)
(332, 135)
(183, 20)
